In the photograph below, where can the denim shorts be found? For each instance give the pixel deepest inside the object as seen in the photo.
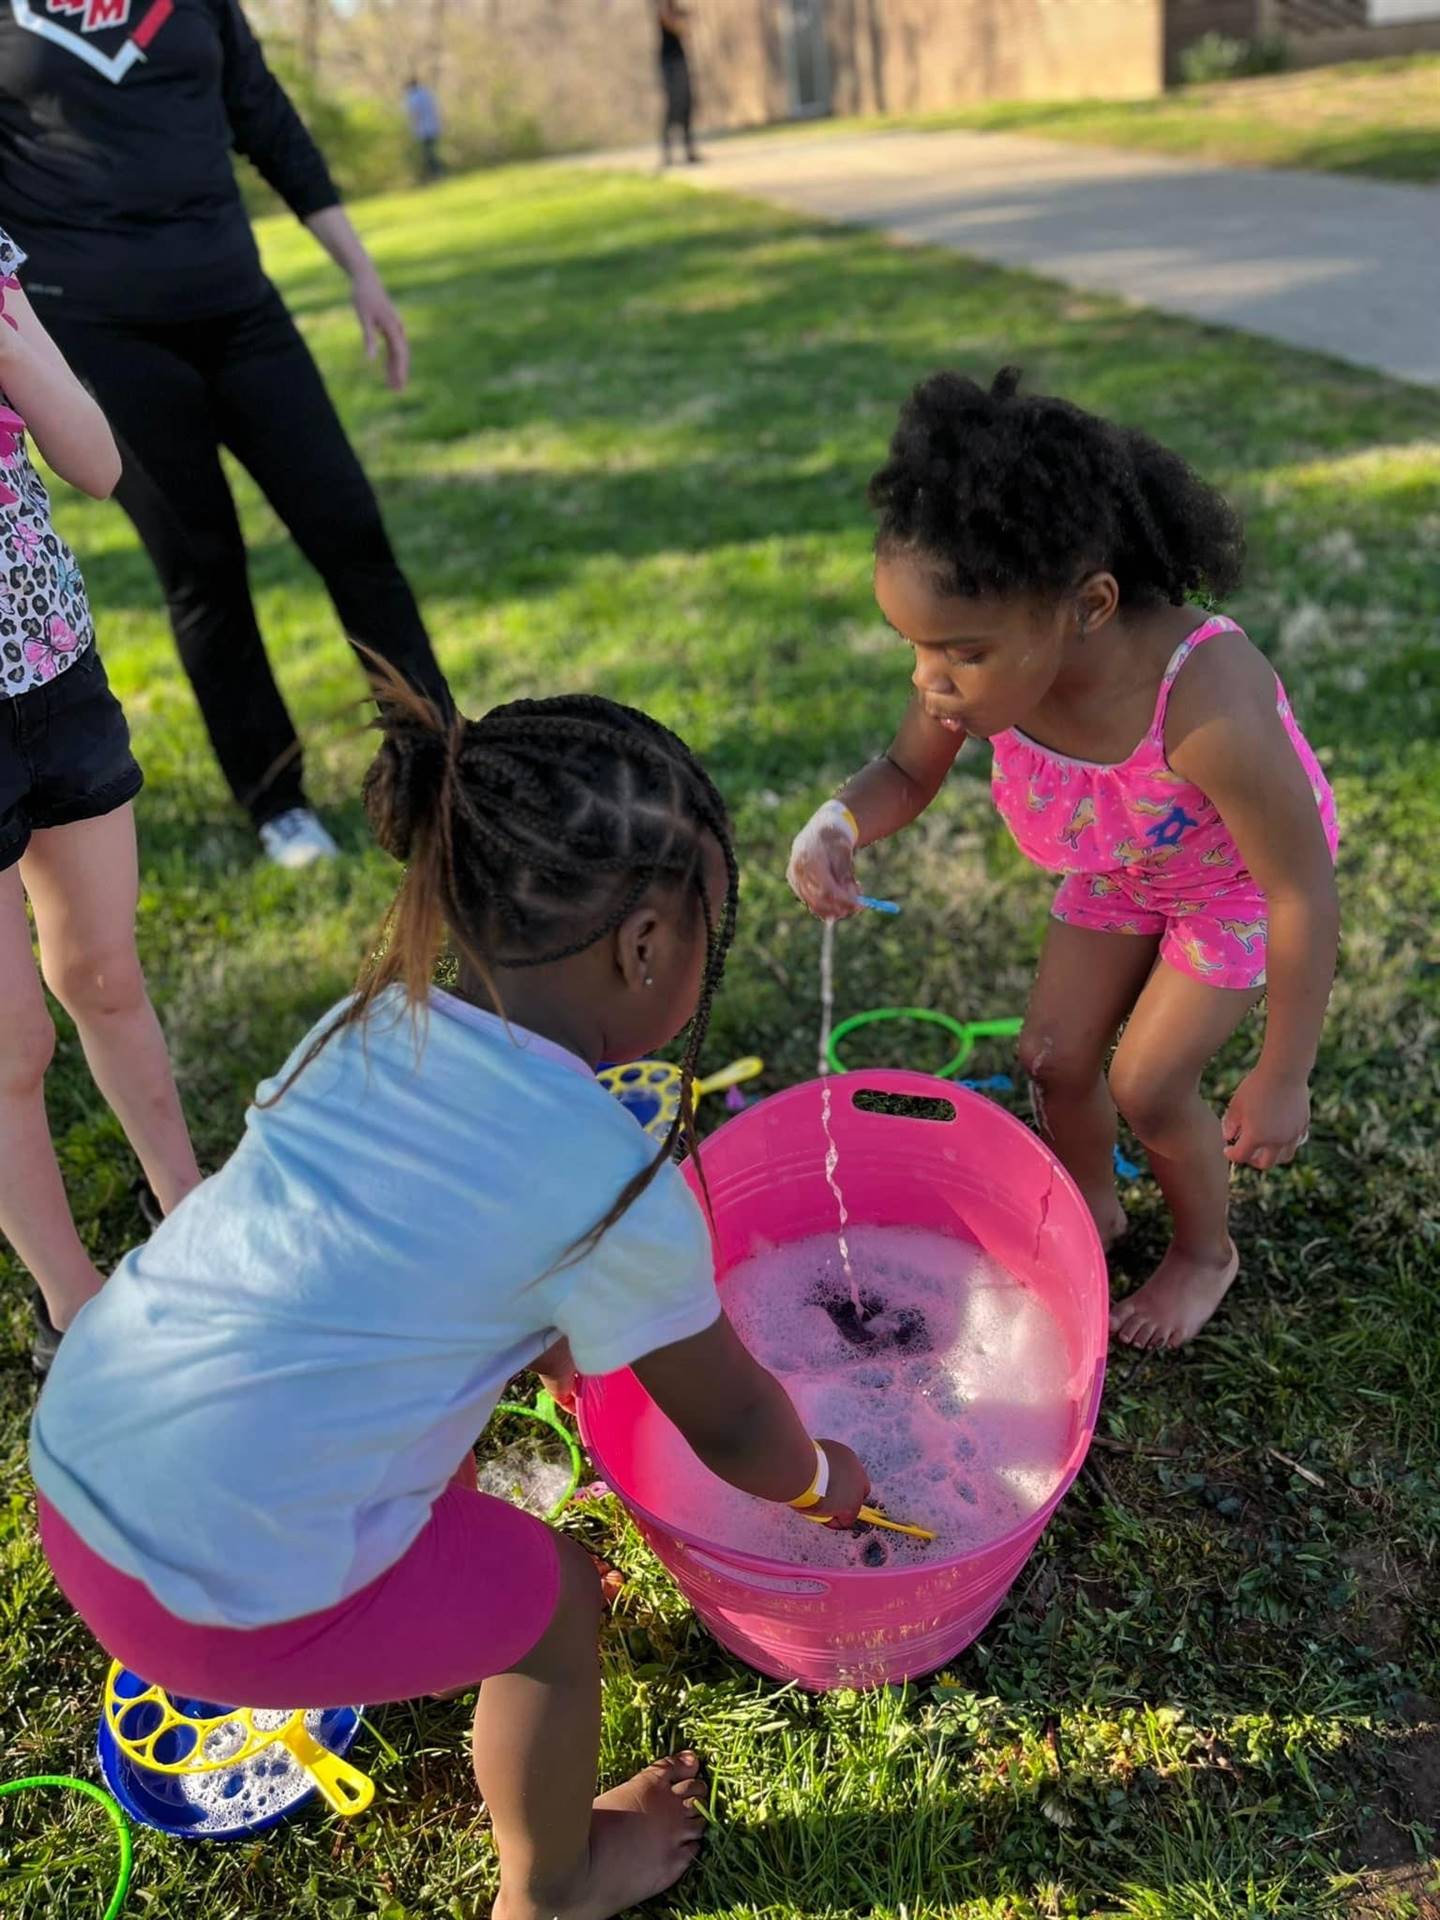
(64, 755)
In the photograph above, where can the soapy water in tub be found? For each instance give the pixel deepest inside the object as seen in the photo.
(953, 1382)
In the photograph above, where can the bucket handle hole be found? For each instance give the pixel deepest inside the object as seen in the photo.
(905, 1106)
(762, 1582)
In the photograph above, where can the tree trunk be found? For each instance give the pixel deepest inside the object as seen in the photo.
(310, 39)
(437, 42)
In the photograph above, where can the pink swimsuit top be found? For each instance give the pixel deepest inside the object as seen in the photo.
(1138, 816)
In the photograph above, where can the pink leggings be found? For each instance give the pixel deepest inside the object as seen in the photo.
(470, 1597)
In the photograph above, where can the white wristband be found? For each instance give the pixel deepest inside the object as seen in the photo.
(819, 1486)
(835, 813)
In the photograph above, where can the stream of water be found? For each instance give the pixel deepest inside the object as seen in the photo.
(832, 1151)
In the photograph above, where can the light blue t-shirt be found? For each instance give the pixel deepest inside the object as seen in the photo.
(255, 1415)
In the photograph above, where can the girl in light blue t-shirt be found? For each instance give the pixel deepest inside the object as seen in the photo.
(420, 1207)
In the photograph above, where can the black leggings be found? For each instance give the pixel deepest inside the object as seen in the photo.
(679, 101)
(175, 394)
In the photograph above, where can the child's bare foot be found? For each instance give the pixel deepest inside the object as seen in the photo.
(1177, 1299)
(612, 1581)
(643, 1837)
(1112, 1222)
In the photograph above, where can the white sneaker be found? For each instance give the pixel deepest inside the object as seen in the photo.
(297, 839)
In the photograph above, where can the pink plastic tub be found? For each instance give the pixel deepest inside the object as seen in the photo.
(979, 1176)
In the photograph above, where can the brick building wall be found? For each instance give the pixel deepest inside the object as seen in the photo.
(906, 56)
(586, 69)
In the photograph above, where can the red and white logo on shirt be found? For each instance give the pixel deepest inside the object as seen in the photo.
(94, 16)
(91, 15)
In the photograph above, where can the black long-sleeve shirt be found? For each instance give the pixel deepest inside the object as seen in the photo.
(117, 119)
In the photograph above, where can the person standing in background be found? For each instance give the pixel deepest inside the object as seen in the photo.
(115, 175)
(675, 79)
(422, 110)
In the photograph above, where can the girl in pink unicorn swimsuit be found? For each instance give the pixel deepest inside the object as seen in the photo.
(1042, 565)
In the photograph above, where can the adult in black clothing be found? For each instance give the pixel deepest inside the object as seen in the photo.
(117, 118)
(675, 79)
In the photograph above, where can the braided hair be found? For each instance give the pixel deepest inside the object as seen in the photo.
(1024, 493)
(529, 835)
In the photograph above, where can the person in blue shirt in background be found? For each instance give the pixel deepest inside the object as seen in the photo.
(422, 110)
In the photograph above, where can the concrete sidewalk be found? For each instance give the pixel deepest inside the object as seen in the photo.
(1344, 267)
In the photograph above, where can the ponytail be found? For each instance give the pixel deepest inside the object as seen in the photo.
(527, 836)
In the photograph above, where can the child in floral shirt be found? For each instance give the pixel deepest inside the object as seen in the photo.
(67, 833)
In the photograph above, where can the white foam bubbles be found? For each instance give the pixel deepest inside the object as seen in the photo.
(269, 1781)
(953, 1383)
(525, 1475)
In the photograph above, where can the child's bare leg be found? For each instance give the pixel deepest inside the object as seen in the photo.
(83, 883)
(35, 1215)
(1177, 1028)
(565, 1855)
(1086, 985)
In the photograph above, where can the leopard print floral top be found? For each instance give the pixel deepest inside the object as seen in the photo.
(45, 622)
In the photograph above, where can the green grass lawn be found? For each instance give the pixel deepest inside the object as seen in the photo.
(634, 460)
(1376, 117)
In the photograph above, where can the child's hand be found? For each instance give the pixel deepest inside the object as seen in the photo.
(1267, 1121)
(849, 1486)
(822, 863)
(556, 1371)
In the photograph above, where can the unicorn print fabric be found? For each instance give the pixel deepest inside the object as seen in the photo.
(1142, 849)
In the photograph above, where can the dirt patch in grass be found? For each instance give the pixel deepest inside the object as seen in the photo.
(1396, 1893)
(1396, 1880)
(1385, 1592)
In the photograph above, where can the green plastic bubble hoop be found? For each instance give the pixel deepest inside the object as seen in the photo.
(67, 1784)
(548, 1414)
(966, 1033)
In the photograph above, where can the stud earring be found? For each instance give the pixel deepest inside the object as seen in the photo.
(649, 980)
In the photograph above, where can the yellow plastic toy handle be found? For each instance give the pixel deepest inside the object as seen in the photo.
(747, 1069)
(877, 1519)
(345, 1788)
(874, 1518)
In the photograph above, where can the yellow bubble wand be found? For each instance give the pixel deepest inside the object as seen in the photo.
(873, 1517)
(643, 1085)
(208, 1743)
